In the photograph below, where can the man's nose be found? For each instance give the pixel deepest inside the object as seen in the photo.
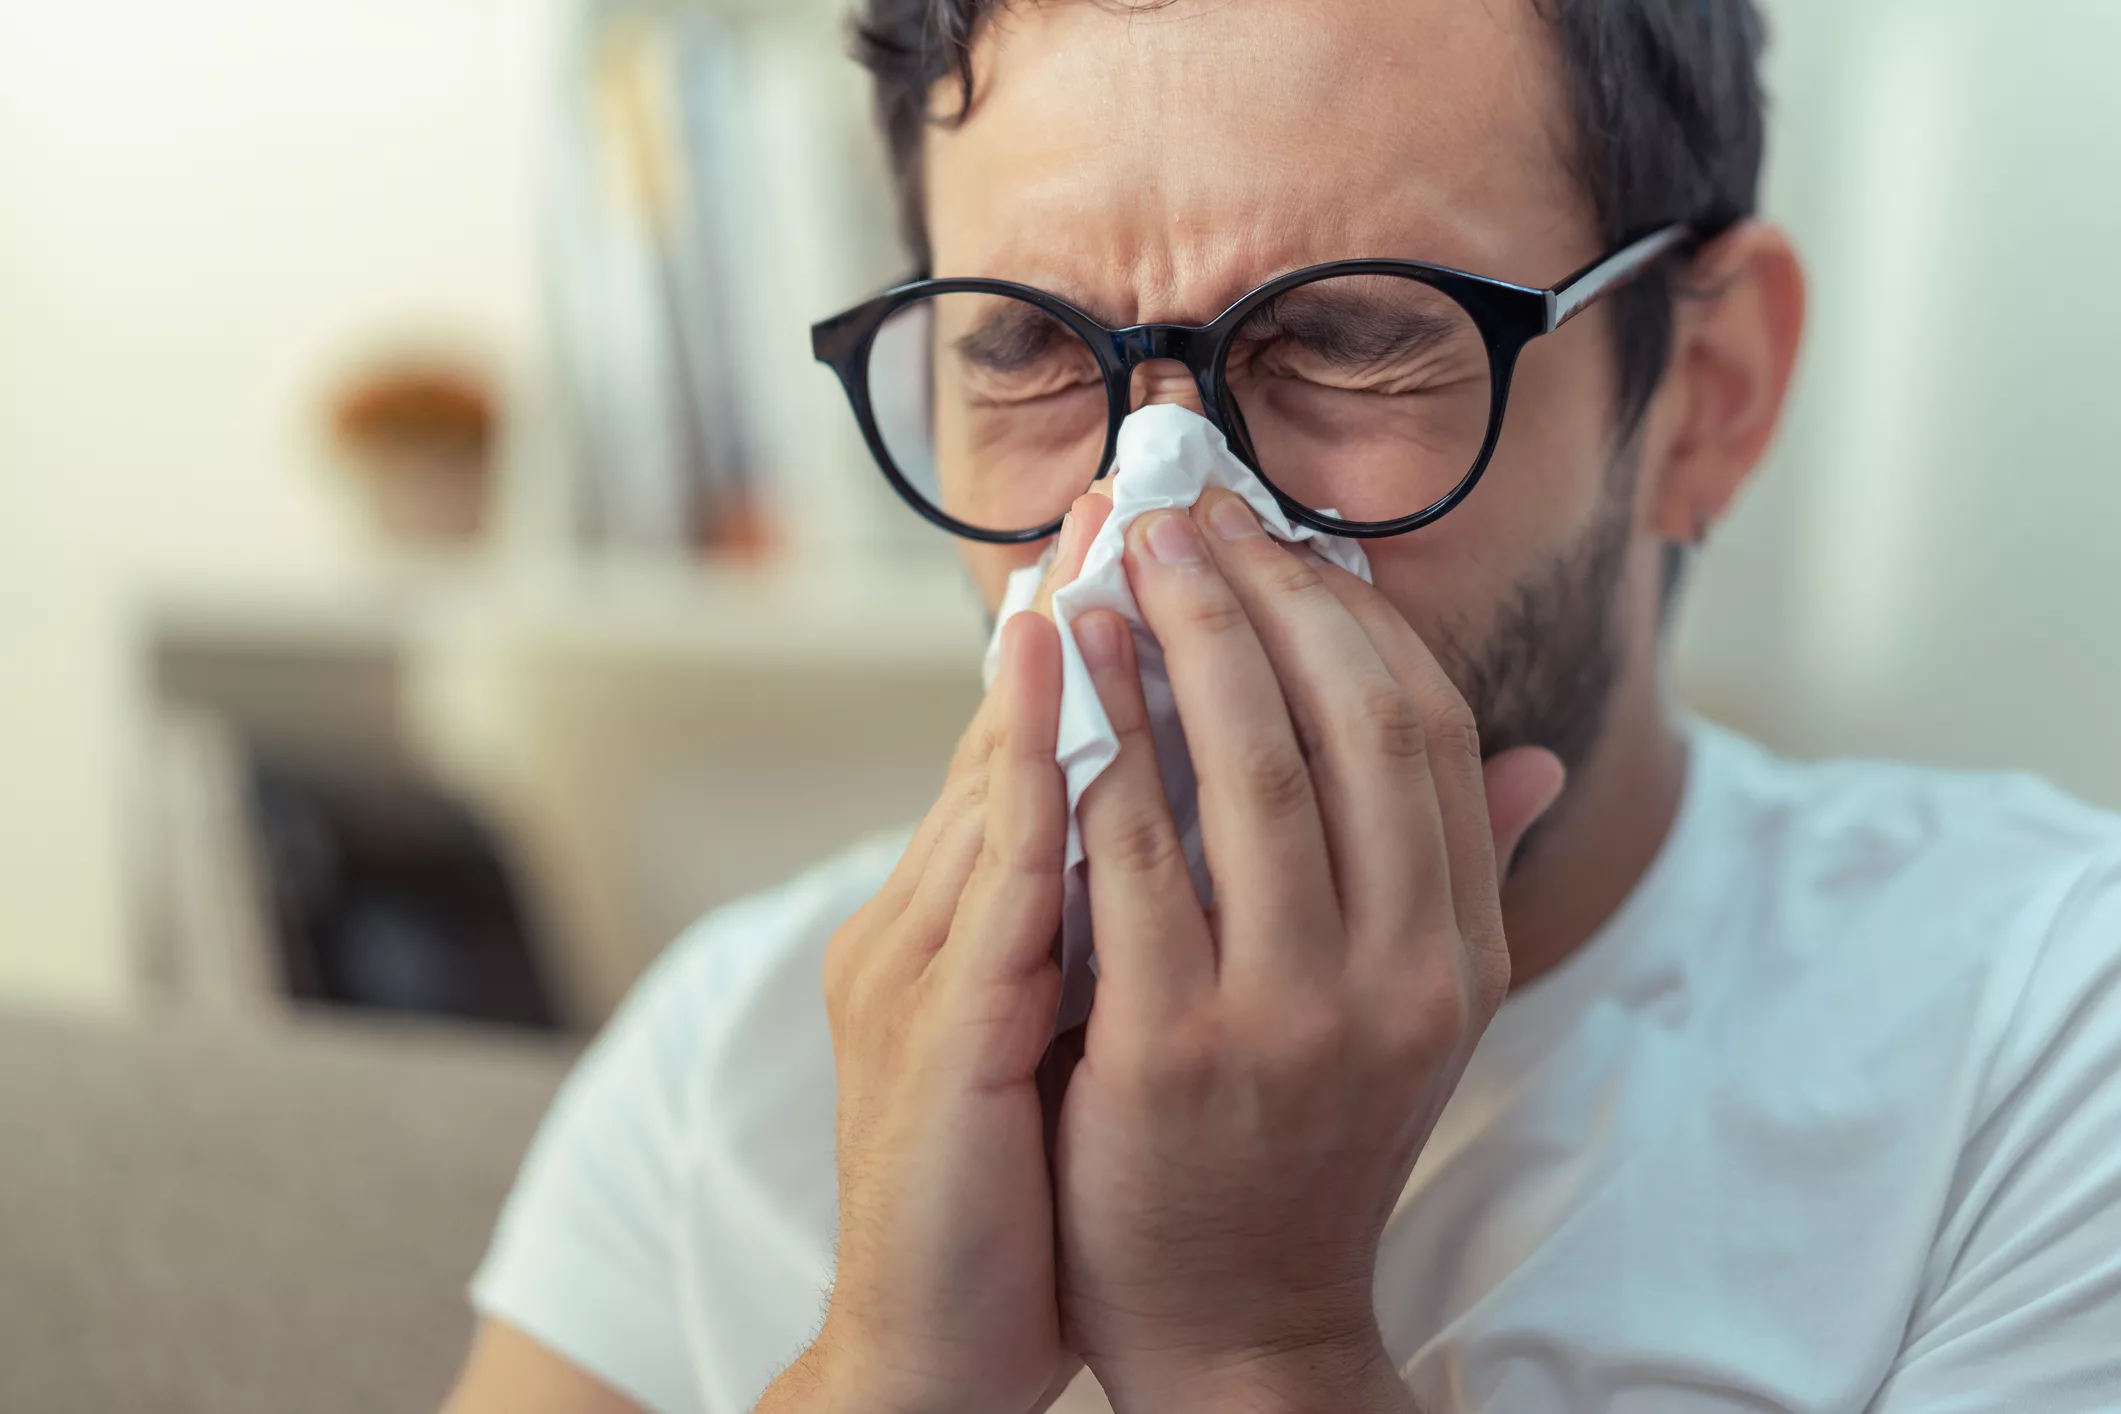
(1165, 380)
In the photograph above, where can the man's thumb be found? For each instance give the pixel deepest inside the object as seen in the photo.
(1523, 783)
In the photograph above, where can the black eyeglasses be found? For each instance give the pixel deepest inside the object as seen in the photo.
(1367, 394)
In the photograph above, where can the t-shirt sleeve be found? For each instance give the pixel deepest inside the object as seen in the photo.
(583, 1257)
(2021, 1306)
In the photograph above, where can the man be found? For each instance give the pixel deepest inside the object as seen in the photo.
(1806, 1094)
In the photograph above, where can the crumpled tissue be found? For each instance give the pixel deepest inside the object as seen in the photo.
(1166, 457)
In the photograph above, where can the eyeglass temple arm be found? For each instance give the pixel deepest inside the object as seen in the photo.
(1578, 294)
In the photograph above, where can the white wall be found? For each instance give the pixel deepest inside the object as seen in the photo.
(207, 209)
(1928, 567)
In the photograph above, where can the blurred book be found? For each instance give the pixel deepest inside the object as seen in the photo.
(209, 931)
(716, 189)
(645, 360)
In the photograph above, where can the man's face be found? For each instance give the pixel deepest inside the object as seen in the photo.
(1155, 165)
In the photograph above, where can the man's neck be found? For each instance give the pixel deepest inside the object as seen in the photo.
(1602, 836)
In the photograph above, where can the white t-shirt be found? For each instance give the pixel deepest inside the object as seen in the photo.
(1826, 1118)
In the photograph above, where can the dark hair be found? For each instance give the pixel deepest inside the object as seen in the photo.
(1665, 96)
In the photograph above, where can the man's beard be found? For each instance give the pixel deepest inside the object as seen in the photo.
(1543, 674)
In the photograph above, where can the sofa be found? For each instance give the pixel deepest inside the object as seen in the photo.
(250, 1218)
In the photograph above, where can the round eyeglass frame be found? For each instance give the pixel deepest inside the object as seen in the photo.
(1508, 316)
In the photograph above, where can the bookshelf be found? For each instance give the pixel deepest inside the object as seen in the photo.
(649, 739)
(183, 525)
(909, 614)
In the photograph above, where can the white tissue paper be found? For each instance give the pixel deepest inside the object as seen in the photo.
(1167, 456)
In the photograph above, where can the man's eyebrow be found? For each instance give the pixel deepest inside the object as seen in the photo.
(1348, 328)
(1012, 336)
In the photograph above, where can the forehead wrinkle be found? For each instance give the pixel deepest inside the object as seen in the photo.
(1189, 283)
(1097, 165)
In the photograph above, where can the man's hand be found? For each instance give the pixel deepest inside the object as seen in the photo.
(941, 993)
(1259, 1077)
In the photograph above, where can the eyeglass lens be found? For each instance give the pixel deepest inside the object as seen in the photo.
(1365, 397)
(1362, 396)
(991, 409)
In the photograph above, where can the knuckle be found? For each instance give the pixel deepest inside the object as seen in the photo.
(1276, 779)
(1455, 728)
(852, 945)
(1215, 613)
(970, 790)
(1430, 1017)
(865, 1003)
(976, 747)
(1284, 574)
(1015, 853)
(862, 996)
(996, 856)
(1140, 843)
(1388, 724)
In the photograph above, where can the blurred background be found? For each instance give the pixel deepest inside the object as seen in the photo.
(432, 571)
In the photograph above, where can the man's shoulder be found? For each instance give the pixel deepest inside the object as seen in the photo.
(728, 1030)
(1853, 827)
(1945, 964)
(694, 1139)
(1976, 908)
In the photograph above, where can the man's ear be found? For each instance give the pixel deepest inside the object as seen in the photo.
(1737, 323)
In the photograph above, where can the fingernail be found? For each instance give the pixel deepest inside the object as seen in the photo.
(1173, 540)
(1064, 545)
(1097, 635)
(1232, 519)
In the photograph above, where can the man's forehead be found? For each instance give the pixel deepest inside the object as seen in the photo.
(1166, 159)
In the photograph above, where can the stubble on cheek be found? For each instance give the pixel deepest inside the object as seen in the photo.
(1541, 671)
